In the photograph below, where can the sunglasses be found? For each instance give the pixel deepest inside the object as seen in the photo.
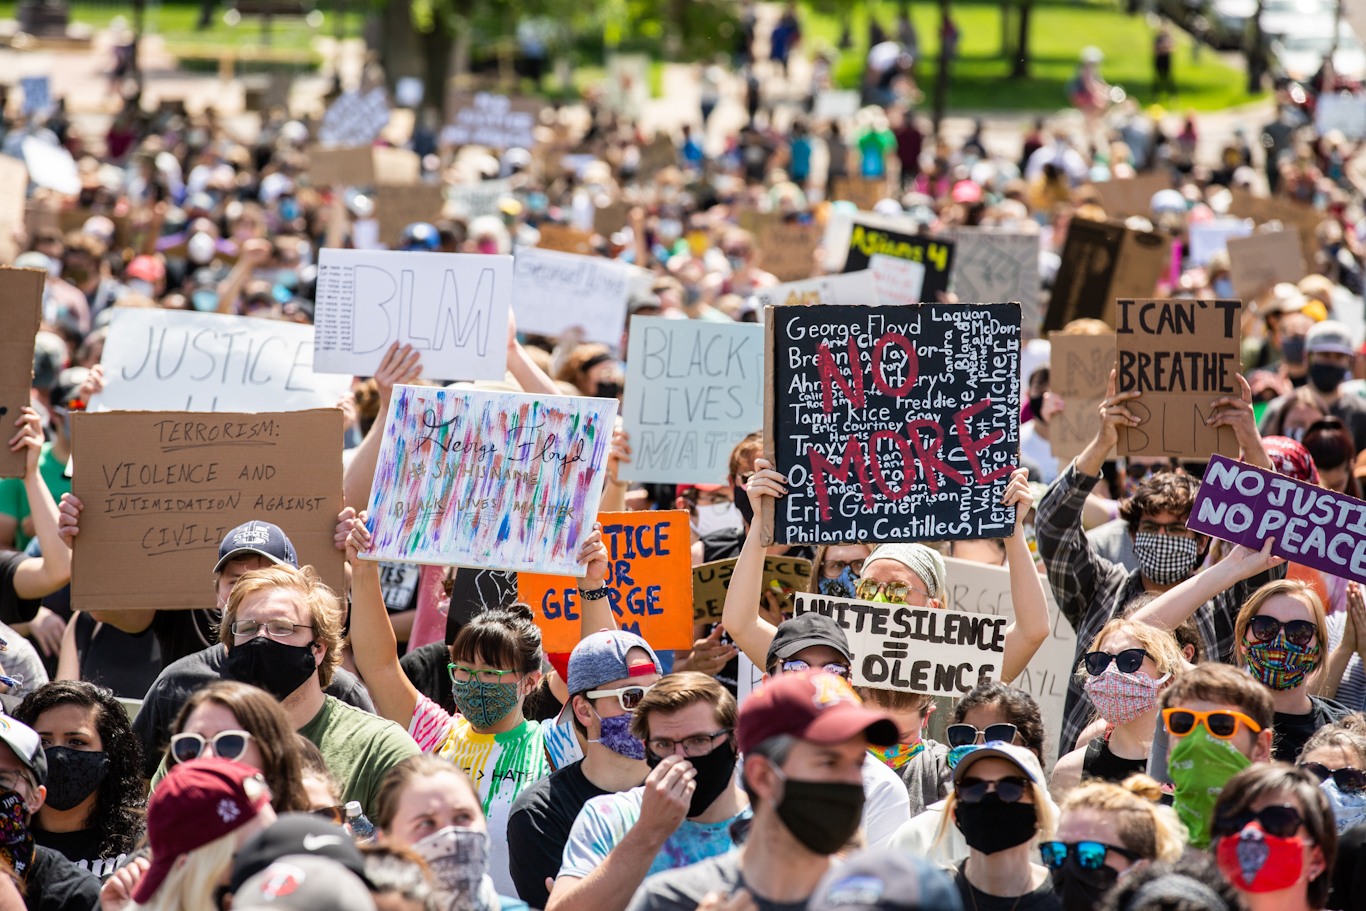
(226, 745)
(797, 665)
(831, 569)
(1126, 662)
(1347, 779)
(960, 735)
(1297, 632)
(898, 592)
(1282, 822)
(1222, 725)
(628, 696)
(331, 814)
(1090, 855)
(1010, 789)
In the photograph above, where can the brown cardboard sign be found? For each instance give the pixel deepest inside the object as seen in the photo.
(788, 250)
(565, 239)
(396, 167)
(1079, 369)
(656, 155)
(1260, 261)
(21, 310)
(341, 167)
(1132, 195)
(710, 581)
(1286, 211)
(1100, 262)
(611, 218)
(861, 191)
(162, 488)
(1182, 356)
(398, 207)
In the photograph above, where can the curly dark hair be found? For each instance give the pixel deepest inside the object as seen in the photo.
(1018, 705)
(119, 814)
(1164, 491)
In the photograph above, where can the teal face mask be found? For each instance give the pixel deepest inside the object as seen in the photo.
(484, 704)
(958, 753)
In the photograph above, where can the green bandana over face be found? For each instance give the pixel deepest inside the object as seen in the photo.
(1200, 766)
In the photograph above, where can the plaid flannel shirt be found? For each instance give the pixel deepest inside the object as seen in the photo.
(1091, 590)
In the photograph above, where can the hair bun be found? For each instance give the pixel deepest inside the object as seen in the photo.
(1141, 785)
(521, 610)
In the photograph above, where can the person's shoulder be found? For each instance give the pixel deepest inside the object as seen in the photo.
(207, 663)
(684, 887)
(619, 804)
(876, 774)
(1330, 709)
(344, 714)
(60, 884)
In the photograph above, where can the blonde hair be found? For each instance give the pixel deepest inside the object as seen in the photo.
(1292, 588)
(1087, 327)
(324, 610)
(1160, 644)
(194, 877)
(1145, 826)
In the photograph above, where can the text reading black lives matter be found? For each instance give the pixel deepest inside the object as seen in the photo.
(894, 423)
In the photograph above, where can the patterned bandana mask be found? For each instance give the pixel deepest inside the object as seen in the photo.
(1280, 664)
(484, 704)
(458, 860)
(615, 734)
(898, 754)
(1200, 767)
(1165, 559)
(842, 586)
(1349, 807)
(1121, 698)
(16, 844)
(958, 753)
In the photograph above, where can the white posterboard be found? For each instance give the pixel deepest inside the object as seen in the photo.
(1208, 238)
(835, 105)
(844, 289)
(996, 266)
(694, 389)
(557, 291)
(471, 200)
(174, 360)
(1344, 111)
(897, 281)
(452, 307)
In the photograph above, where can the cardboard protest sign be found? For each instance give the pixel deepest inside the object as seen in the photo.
(565, 239)
(649, 585)
(611, 218)
(934, 253)
(788, 249)
(398, 207)
(914, 649)
(693, 390)
(711, 581)
(1340, 111)
(453, 307)
(355, 119)
(176, 360)
(485, 119)
(1261, 260)
(1100, 262)
(847, 289)
(1284, 210)
(898, 281)
(21, 311)
(885, 439)
(348, 166)
(656, 155)
(1182, 355)
(1079, 372)
(1131, 195)
(864, 192)
(1210, 238)
(13, 194)
(1318, 528)
(994, 265)
(399, 168)
(557, 291)
(471, 200)
(161, 489)
(497, 480)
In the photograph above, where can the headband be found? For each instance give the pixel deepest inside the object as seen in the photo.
(600, 358)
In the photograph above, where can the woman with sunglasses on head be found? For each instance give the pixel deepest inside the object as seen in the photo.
(1125, 671)
(1274, 838)
(1337, 757)
(1108, 831)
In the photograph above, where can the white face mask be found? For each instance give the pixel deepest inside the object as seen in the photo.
(717, 517)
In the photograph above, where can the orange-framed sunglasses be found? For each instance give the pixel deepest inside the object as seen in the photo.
(1220, 723)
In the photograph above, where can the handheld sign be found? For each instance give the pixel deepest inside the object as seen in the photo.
(914, 649)
(1080, 368)
(1260, 261)
(891, 423)
(497, 480)
(898, 281)
(21, 311)
(497, 121)
(711, 581)
(475, 591)
(1100, 262)
(788, 249)
(991, 265)
(173, 360)
(649, 584)
(850, 288)
(693, 390)
(161, 489)
(1182, 355)
(557, 291)
(934, 253)
(453, 307)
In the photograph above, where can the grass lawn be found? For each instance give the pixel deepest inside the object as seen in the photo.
(1058, 31)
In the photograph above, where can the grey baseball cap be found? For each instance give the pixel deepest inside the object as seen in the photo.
(601, 658)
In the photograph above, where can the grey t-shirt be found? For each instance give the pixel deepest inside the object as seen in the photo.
(683, 889)
(927, 776)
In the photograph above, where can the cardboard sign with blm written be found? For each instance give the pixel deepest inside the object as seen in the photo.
(21, 310)
(710, 582)
(1080, 371)
(1182, 356)
(162, 488)
(649, 584)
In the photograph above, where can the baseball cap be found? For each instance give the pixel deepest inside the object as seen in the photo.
(601, 658)
(1329, 336)
(806, 630)
(704, 487)
(147, 268)
(885, 880)
(295, 833)
(196, 803)
(256, 537)
(1019, 756)
(812, 705)
(26, 744)
(305, 882)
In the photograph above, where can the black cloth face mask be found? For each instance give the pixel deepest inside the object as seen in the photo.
(993, 825)
(714, 773)
(73, 775)
(1081, 889)
(277, 668)
(822, 815)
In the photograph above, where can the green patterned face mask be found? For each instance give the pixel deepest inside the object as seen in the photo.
(1200, 766)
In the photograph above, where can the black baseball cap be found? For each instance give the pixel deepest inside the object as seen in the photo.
(257, 538)
(804, 631)
(295, 833)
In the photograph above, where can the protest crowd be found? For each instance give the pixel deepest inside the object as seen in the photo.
(551, 515)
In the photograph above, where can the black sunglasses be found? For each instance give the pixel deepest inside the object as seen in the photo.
(1298, 632)
(960, 735)
(1126, 662)
(1010, 789)
(1347, 779)
(1282, 822)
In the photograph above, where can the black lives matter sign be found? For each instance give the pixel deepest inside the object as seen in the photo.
(892, 423)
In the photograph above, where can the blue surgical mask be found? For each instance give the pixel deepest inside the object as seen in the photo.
(1223, 288)
(1349, 807)
(842, 586)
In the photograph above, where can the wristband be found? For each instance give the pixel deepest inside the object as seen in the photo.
(596, 594)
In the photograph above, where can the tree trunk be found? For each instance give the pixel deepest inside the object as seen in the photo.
(1005, 30)
(436, 54)
(399, 47)
(1256, 57)
(941, 80)
(1021, 68)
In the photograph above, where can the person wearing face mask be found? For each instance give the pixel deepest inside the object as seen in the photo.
(685, 811)
(1034, 446)
(920, 761)
(94, 810)
(713, 509)
(803, 737)
(1108, 832)
(1330, 355)
(1337, 757)
(837, 568)
(594, 371)
(1274, 838)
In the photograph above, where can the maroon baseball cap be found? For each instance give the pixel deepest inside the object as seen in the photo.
(196, 803)
(813, 705)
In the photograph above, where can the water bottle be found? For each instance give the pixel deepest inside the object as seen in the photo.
(361, 829)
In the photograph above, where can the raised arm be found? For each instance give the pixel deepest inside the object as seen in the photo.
(1236, 412)
(400, 365)
(614, 494)
(523, 369)
(1030, 629)
(372, 637)
(1353, 643)
(39, 576)
(740, 616)
(596, 614)
(1172, 608)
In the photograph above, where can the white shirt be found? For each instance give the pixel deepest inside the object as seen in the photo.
(1038, 451)
(886, 805)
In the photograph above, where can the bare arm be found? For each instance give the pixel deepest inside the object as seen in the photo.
(614, 494)
(740, 615)
(1353, 642)
(596, 614)
(1030, 629)
(39, 576)
(1171, 609)
(400, 365)
(255, 251)
(372, 637)
(523, 369)
(68, 662)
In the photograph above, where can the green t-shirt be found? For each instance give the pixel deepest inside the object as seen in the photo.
(14, 500)
(359, 749)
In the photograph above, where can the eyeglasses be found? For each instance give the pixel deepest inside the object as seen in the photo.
(276, 629)
(960, 735)
(1282, 822)
(693, 747)
(1090, 854)
(628, 696)
(1348, 779)
(833, 568)
(1126, 662)
(1222, 725)
(1010, 789)
(1297, 632)
(1152, 528)
(331, 814)
(461, 674)
(867, 590)
(10, 779)
(226, 745)
(797, 665)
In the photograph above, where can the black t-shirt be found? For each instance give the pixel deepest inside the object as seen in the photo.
(127, 663)
(1293, 730)
(82, 848)
(181, 678)
(183, 632)
(1349, 872)
(14, 609)
(426, 670)
(56, 884)
(538, 828)
(1041, 899)
(1100, 763)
